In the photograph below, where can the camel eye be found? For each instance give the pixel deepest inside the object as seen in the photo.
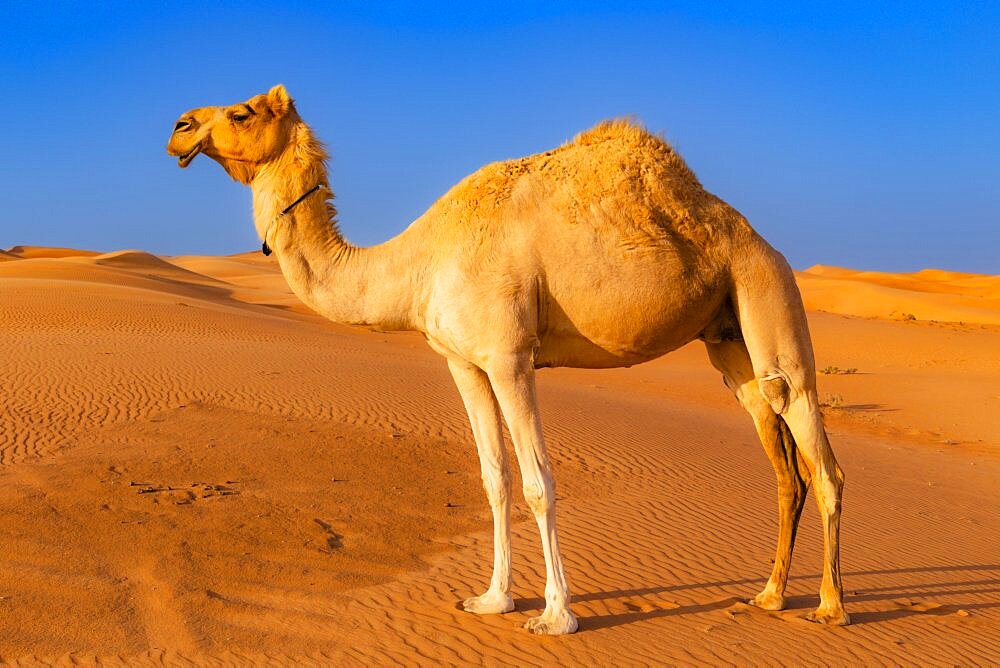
(245, 112)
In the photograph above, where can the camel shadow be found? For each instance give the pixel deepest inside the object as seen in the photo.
(594, 623)
(901, 594)
(874, 616)
(868, 408)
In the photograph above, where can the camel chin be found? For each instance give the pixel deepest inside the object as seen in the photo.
(184, 160)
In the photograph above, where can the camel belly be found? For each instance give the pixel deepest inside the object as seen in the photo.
(581, 353)
(622, 325)
(615, 297)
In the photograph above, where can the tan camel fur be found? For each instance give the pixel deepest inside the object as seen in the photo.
(604, 252)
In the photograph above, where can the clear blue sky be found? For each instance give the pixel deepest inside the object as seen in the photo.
(854, 133)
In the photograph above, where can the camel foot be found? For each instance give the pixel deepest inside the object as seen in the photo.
(833, 617)
(489, 603)
(768, 600)
(552, 624)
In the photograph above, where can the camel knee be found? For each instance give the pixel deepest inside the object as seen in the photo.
(497, 489)
(831, 492)
(540, 496)
(834, 479)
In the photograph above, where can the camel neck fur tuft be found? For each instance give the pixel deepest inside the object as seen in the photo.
(277, 184)
(347, 284)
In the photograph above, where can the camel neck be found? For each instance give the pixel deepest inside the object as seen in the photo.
(345, 283)
(265, 248)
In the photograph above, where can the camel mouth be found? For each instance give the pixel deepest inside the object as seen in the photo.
(185, 159)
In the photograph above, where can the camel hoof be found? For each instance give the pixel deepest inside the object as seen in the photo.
(489, 604)
(836, 617)
(768, 600)
(552, 624)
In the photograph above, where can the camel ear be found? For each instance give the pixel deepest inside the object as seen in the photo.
(279, 100)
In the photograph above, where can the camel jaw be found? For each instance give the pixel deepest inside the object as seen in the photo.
(185, 159)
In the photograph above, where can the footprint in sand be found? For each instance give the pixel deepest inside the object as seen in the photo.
(182, 495)
(929, 608)
(742, 608)
(334, 541)
(640, 605)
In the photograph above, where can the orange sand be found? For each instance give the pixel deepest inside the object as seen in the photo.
(194, 466)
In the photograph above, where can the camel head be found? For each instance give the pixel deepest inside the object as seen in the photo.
(241, 137)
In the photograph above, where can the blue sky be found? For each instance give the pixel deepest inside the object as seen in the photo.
(860, 134)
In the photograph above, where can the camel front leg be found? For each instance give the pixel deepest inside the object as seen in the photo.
(473, 384)
(513, 381)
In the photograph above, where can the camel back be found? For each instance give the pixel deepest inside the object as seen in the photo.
(615, 173)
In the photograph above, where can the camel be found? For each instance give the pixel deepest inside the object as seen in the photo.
(604, 252)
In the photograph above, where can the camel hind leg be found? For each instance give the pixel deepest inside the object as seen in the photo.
(774, 327)
(732, 359)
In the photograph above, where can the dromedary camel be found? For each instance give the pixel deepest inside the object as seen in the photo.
(604, 252)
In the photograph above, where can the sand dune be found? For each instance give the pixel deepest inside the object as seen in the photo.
(254, 278)
(34, 252)
(925, 295)
(194, 468)
(133, 260)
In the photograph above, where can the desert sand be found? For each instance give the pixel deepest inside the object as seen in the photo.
(195, 467)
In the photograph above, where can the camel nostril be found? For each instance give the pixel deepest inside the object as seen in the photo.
(182, 125)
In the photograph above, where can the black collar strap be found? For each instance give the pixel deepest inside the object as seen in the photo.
(264, 248)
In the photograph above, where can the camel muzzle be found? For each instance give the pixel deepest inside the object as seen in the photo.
(185, 159)
(184, 134)
(184, 154)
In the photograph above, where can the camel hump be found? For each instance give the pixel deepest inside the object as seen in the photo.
(637, 145)
(628, 129)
